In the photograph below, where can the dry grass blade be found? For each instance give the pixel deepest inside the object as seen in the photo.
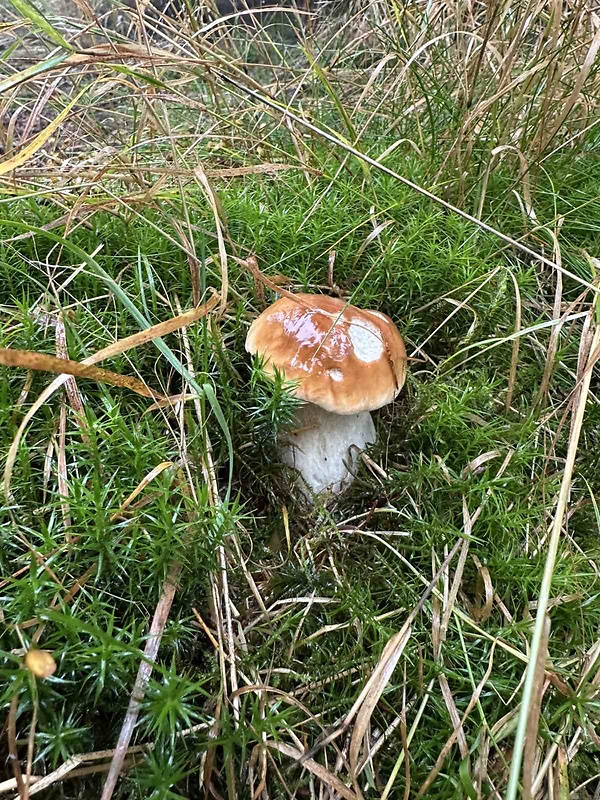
(71, 386)
(10, 164)
(48, 668)
(154, 473)
(562, 790)
(251, 264)
(120, 346)
(540, 621)
(421, 710)
(143, 676)
(217, 213)
(12, 453)
(13, 754)
(68, 768)
(316, 769)
(456, 309)
(404, 738)
(531, 738)
(228, 629)
(375, 234)
(477, 465)
(501, 150)
(395, 639)
(29, 359)
(23, 394)
(457, 580)
(155, 332)
(374, 689)
(588, 63)
(10, 784)
(256, 169)
(457, 728)
(300, 149)
(62, 476)
(490, 344)
(454, 716)
(171, 401)
(481, 612)
(206, 629)
(555, 331)
(514, 358)
(375, 744)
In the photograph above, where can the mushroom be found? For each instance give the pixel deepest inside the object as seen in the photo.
(346, 362)
(40, 662)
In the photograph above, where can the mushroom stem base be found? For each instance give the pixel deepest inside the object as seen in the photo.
(325, 447)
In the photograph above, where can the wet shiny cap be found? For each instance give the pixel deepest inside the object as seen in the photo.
(345, 360)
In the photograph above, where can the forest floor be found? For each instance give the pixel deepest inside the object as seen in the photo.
(403, 615)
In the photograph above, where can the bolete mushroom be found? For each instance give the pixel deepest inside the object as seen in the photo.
(346, 362)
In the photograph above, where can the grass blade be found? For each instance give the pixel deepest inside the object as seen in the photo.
(39, 141)
(30, 72)
(324, 80)
(28, 11)
(377, 683)
(540, 620)
(315, 768)
(29, 359)
(175, 362)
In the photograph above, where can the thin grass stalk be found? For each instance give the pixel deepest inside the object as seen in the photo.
(13, 753)
(514, 359)
(157, 627)
(540, 620)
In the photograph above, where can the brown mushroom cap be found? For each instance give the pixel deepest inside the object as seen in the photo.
(346, 360)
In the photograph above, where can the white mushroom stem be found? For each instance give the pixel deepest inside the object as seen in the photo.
(325, 447)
